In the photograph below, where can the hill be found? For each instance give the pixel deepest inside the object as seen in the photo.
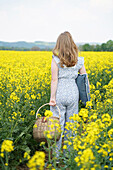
(24, 44)
(41, 44)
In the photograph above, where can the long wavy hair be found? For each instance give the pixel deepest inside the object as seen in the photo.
(66, 50)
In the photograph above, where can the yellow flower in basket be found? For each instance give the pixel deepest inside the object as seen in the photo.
(48, 113)
(48, 126)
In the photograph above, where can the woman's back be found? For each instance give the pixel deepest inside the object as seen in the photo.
(69, 72)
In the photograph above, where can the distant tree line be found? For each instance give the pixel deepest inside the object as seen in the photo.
(34, 48)
(108, 46)
(14, 48)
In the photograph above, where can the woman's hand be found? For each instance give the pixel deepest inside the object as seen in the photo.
(52, 102)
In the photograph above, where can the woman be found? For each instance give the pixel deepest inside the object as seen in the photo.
(64, 69)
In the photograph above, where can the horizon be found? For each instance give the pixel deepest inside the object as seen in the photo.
(50, 41)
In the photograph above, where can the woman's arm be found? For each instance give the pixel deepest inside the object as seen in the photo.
(83, 71)
(54, 80)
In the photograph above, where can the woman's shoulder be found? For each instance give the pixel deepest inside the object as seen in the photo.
(80, 59)
(80, 62)
(56, 58)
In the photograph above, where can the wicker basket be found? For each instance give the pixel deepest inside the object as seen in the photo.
(42, 126)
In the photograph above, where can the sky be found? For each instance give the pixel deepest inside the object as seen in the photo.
(45, 20)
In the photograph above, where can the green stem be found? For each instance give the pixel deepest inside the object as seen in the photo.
(49, 151)
(13, 128)
(6, 167)
(22, 133)
(3, 163)
(54, 150)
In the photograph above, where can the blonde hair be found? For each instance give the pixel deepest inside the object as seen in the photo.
(66, 50)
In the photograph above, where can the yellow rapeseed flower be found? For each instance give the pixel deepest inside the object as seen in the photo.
(65, 147)
(48, 113)
(35, 126)
(26, 155)
(7, 145)
(49, 136)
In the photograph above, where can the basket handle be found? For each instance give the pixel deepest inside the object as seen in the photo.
(45, 105)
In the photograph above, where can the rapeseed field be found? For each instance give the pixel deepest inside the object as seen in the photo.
(25, 79)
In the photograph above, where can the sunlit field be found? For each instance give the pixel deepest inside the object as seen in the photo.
(25, 79)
